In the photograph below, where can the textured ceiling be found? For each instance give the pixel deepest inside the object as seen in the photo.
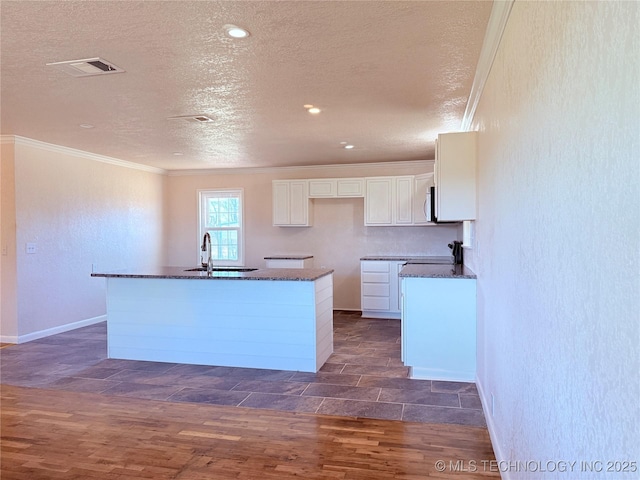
(388, 76)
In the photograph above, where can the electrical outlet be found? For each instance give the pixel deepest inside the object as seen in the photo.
(31, 248)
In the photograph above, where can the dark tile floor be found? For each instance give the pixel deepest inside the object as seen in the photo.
(364, 377)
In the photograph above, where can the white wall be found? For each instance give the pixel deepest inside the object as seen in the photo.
(337, 239)
(557, 240)
(79, 212)
(8, 294)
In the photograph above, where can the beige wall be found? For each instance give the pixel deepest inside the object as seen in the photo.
(557, 248)
(8, 278)
(337, 239)
(79, 212)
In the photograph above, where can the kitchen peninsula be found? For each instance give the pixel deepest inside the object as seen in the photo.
(263, 318)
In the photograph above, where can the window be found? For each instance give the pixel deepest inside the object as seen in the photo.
(221, 217)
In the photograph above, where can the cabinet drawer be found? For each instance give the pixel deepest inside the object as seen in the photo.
(375, 289)
(368, 277)
(372, 266)
(375, 303)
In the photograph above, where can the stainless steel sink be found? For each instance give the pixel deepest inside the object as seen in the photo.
(222, 269)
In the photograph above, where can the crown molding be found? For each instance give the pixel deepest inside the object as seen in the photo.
(50, 147)
(333, 167)
(495, 28)
(17, 140)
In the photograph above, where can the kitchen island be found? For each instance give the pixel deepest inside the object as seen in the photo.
(439, 322)
(265, 318)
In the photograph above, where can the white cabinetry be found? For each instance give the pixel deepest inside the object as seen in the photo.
(388, 201)
(336, 187)
(351, 187)
(455, 176)
(439, 328)
(285, 262)
(380, 288)
(291, 206)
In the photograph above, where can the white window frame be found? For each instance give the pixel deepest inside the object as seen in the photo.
(203, 195)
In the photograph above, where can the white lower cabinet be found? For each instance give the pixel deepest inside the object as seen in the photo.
(380, 288)
(289, 262)
(439, 328)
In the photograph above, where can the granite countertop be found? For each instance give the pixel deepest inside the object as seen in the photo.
(283, 274)
(436, 271)
(288, 257)
(411, 259)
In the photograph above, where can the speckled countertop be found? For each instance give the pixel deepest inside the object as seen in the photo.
(411, 259)
(285, 274)
(288, 257)
(436, 271)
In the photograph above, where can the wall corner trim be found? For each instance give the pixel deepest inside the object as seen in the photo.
(495, 28)
(17, 140)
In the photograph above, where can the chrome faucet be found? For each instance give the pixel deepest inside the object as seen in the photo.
(206, 247)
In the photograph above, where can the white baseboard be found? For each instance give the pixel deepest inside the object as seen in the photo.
(52, 331)
(493, 434)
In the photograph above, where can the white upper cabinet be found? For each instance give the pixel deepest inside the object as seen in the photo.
(403, 207)
(351, 187)
(336, 187)
(291, 206)
(455, 176)
(323, 188)
(378, 201)
(389, 201)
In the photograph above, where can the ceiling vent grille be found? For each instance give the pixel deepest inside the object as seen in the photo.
(193, 118)
(87, 67)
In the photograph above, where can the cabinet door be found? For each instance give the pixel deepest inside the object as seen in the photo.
(291, 203)
(378, 201)
(299, 203)
(351, 187)
(322, 188)
(456, 176)
(403, 200)
(281, 203)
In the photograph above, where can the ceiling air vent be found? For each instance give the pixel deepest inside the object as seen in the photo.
(193, 118)
(87, 67)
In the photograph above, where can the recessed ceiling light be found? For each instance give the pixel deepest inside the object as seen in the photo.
(313, 110)
(308, 106)
(86, 125)
(178, 154)
(236, 32)
(348, 147)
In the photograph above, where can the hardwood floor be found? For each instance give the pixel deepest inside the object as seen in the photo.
(55, 434)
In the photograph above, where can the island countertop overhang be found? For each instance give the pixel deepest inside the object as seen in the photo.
(184, 273)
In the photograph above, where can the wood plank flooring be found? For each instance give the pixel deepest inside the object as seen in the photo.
(55, 434)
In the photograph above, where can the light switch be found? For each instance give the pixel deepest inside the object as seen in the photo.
(31, 248)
